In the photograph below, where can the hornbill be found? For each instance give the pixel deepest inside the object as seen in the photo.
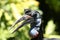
(34, 18)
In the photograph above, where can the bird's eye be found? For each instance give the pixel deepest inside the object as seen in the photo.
(27, 11)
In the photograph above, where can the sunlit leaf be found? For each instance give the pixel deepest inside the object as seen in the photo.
(15, 11)
(1, 12)
(7, 16)
(50, 27)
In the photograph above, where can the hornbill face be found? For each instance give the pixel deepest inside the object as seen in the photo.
(26, 17)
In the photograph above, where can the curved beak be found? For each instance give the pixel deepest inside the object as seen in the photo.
(25, 17)
(24, 23)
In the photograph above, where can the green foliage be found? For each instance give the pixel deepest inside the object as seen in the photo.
(11, 10)
(54, 4)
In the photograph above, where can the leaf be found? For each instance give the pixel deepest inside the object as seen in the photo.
(1, 12)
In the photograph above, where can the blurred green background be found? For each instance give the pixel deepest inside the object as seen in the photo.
(11, 10)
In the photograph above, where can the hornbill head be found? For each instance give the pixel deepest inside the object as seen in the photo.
(27, 17)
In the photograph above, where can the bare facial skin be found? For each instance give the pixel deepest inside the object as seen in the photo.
(35, 35)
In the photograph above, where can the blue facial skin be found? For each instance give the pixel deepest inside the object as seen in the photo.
(33, 32)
